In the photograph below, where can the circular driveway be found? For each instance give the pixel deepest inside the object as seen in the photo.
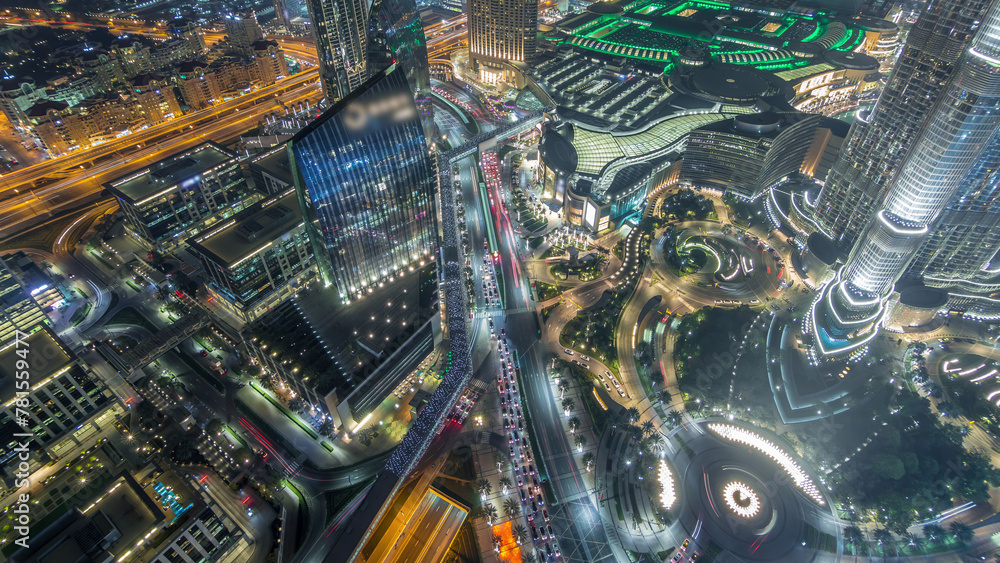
(740, 499)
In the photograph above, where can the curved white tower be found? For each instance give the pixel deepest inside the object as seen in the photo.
(960, 126)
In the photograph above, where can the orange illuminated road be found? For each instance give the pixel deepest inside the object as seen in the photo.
(79, 175)
(34, 193)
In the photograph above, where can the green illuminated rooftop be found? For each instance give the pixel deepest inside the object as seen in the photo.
(657, 31)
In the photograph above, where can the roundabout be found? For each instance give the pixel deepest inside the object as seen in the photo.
(716, 267)
(744, 494)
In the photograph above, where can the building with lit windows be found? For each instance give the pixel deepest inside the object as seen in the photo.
(880, 141)
(960, 252)
(960, 124)
(396, 35)
(339, 31)
(243, 31)
(749, 154)
(67, 405)
(367, 184)
(257, 259)
(502, 38)
(18, 310)
(175, 198)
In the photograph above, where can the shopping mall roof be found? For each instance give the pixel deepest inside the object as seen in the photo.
(653, 33)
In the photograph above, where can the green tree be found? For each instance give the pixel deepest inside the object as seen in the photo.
(633, 414)
(490, 511)
(648, 427)
(853, 534)
(214, 427)
(675, 417)
(961, 532)
(574, 424)
(888, 466)
(934, 533)
(588, 460)
(484, 487)
(520, 534)
(506, 484)
(581, 441)
(568, 404)
(511, 508)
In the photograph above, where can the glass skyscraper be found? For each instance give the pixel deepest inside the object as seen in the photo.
(395, 35)
(339, 31)
(879, 141)
(961, 124)
(366, 182)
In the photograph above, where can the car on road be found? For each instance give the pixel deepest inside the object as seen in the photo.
(568, 351)
(541, 502)
(685, 545)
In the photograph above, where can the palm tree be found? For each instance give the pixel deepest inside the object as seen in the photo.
(506, 484)
(568, 405)
(574, 424)
(912, 539)
(648, 427)
(580, 440)
(499, 460)
(853, 534)
(520, 534)
(882, 536)
(962, 532)
(511, 508)
(665, 396)
(490, 511)
(484, 487)
(497, 540)
(633, 414)
(675, 417)
(588, 459)
(528, 558)
(934, 533)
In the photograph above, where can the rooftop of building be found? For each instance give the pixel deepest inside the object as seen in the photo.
(276, 164)
(168, 173)
(253, 229)
(107, 525)
(144, 78)
(341, 346)
(652, 33)
(42, 107)
(46, 356)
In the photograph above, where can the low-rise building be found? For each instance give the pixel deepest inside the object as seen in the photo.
(174, 199)
(156, 98)
(258, 259)
(18, 310)
(63, 405)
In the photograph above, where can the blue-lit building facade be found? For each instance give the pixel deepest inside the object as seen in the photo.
(366, 184)
(396, 35)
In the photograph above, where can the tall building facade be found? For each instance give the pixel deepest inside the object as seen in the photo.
(366, 183)
(961, 248)
(339, 31)
(243, 31)
(961, 123)
(880, 141)
(396, 35)
(501, 32)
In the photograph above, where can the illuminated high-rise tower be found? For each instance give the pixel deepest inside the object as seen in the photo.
(339, 30)
(880, 140)
(366, 183)
(959, 127)
(502, 33)
(396, 36)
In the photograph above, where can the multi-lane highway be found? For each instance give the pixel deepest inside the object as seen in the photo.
(80, 175)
